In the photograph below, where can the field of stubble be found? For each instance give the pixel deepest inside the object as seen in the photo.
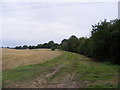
(12, 58)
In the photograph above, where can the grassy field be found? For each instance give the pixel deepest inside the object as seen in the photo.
(69, 70)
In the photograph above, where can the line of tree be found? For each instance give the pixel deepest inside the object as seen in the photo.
(5, 47)
(103, 45)
(49, 45)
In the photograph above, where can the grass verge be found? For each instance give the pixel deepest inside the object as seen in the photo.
(69, 67)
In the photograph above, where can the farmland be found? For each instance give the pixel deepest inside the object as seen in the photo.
(58, 69)
(14, 58)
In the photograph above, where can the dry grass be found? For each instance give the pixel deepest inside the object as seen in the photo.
(13, 58)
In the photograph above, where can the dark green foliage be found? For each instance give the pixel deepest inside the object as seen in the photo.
(49, 45)
(105, 41)
(53, 48)
(22, 47)
(18, 47)
(25, 47)
(115, 42)
(84, 46)
(73, 43)
(32, 47)
(70, 44)
(100, 44)
(103, 45)
(64, 45)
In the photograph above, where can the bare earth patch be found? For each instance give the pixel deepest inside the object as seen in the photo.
(42, 82)
(12, 58)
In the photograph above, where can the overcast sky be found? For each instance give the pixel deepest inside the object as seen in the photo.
(39, 22)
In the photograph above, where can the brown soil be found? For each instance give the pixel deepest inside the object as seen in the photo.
(43, 82)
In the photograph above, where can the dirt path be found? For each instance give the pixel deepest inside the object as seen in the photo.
(43, 81)
(51, 76)
(69, 70)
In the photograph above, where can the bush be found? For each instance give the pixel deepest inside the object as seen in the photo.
(53, 49)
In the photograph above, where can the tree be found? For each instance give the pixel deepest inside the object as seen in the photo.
(25, 47)
(30, 47)
(18, 47)
(104, 42)
(72, 44)
(53, 48)
(64, 45)
(115, 42)
(50, 44)
(84, 46)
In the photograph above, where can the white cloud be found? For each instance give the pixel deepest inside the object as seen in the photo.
(59, 0)
(27, 23)
(16, 29)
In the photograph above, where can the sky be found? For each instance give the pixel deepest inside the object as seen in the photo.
(32, 23)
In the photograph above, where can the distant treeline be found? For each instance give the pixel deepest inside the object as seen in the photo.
(102, 45)
(49, 45)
